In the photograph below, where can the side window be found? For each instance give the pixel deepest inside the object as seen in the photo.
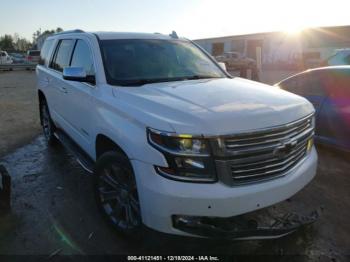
(338, 84)
(347, 60)
(63, 54)
(295, 84)
(315, 85)
(44, 53)
(82, 57)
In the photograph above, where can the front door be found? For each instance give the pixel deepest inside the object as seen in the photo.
(79, 108)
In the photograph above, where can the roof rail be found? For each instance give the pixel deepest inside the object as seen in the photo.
(70, 32)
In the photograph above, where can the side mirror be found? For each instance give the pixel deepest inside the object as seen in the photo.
(77, 74)
(222, 65)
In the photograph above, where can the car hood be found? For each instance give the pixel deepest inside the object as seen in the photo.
(212, 106)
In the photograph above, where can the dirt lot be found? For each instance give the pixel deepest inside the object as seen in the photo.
(53, 208)
(19, 122)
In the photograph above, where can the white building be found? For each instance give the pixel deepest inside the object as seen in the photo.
(309, 47)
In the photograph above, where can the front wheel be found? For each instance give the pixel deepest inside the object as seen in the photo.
(116, 194)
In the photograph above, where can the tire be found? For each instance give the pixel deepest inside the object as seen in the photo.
(116, 194)
(47, 124)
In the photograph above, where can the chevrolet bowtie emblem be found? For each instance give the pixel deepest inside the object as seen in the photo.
(284, 149)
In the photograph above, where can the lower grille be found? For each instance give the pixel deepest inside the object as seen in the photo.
(269, 153)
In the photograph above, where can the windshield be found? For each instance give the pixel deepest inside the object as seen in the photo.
(138, 62)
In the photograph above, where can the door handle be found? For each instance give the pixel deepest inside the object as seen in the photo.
(64, 90)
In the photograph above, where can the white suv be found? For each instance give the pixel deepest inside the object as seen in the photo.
(174, 142)
(5, 58)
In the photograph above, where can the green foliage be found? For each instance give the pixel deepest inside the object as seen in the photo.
(17, 43)
(6, 42)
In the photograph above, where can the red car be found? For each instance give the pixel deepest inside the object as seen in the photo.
(33, 56)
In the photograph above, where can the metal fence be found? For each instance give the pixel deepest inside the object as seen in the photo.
(11, 67)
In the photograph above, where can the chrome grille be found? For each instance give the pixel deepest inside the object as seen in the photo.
(269, 153)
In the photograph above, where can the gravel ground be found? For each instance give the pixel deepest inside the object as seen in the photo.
(19, 121)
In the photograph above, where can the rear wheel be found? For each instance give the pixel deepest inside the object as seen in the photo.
(47, 124)
(116, 194)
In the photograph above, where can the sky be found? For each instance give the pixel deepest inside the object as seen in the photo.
(193, 19)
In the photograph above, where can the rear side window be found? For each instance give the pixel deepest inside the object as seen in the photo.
(295, 84)
(338, 84)
(315, 84)
(347, 60)
(82, 57)
(306, 84)
(63, 54)
(45, 52)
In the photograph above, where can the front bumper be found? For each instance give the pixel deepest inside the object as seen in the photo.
(255, 225)
(161, 198)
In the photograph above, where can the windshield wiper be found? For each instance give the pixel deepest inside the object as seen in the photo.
(194, 77)
(140, 82)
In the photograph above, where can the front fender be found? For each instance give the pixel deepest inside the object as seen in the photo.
(130, 135)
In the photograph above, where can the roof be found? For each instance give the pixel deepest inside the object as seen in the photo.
(130, 35)
(339, 67)
(118, 35)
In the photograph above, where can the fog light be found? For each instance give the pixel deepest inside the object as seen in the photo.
(310, 143)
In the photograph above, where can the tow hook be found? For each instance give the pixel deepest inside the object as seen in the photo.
(5, 190)
(244, 227)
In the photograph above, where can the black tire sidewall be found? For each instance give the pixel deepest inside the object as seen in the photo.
(51, 140)
(115, 158)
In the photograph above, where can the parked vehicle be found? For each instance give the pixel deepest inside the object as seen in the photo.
(328, 89)
(17, 58)
(5, 58)
(341, 57)
(236, 60)
(33, 56)
(176, 143)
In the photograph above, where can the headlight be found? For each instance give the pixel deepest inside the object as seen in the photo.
(188, 157)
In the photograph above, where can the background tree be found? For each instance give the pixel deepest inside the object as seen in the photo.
(6, 42)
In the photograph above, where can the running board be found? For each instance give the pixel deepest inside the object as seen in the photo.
(80, 156)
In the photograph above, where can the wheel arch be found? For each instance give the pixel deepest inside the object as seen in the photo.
(104, 144)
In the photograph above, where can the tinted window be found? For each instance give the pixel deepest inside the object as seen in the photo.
(34, 53)
(338, 83)
(295, 84)
(44, 54)
(347, 60)
(82, 57)
(315, 84)
(63, 55)
(306, 84)
(132, 61)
